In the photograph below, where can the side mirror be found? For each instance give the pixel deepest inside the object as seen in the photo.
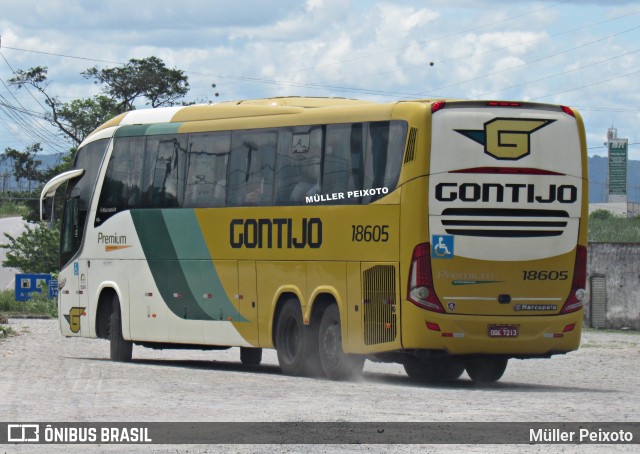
(47, 210)
(49, 191)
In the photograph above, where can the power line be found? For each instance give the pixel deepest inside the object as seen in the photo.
(604, 146)
(348, 89)
(560, 73)
(318, 85)
(25, 87)
(36, 129)
(588, 85)
(495, 49)
(508, 19)
(537, 60)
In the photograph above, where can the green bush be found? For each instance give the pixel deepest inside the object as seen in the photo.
(600, 215)
(612, 229)
(10, 207)
(39, 305)
(34, 251)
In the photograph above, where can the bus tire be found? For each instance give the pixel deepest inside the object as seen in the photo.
(295, 345)
(336, 364)
(486, 369)
(250, 356)
(121, 349)
(433, 370)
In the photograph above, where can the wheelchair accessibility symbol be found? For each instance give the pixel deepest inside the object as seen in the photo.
(442, 246)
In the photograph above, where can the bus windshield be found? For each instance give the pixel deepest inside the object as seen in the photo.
(78, 197)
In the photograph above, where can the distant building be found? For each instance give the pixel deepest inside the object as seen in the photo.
(618, 162)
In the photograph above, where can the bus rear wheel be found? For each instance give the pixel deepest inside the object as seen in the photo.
(336, 364)
(250, 356)
(486, 369)
(296, 344)
(120, 349)
(433, 370)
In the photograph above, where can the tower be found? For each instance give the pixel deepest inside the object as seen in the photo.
(618, 156)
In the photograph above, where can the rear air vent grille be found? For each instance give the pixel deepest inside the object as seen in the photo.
(411, 145)
(379, 304)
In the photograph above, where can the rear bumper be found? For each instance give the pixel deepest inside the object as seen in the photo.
(467, 334)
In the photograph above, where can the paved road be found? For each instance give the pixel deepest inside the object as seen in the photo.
(45, 377)
(14, 226)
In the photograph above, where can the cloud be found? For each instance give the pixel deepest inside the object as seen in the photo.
(371, 49)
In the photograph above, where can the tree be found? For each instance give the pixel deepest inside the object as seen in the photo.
(25, 164)
(34, 251)
(81, 116)
(148, 79)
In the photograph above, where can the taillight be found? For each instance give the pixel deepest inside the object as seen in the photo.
(420, 289)
(568, 110)
(436, 106)
(576, 295)
(503, 104)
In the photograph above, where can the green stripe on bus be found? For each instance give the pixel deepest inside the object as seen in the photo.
(185, 278)
(165, 268)
(197, 265)
(147, 130)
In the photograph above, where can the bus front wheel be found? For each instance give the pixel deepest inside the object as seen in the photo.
(486, 369)
(336, 364)
(121, 349)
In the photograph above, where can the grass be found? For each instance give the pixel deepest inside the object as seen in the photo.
(6, 331)
(607, 228)
(9, 208)
(38, 306)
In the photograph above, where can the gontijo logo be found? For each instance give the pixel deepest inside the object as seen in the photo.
(506, 138)
(74, 318)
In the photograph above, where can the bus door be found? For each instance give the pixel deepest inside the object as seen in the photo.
(73, 295)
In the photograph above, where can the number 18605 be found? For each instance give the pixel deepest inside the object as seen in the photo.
(544, 275)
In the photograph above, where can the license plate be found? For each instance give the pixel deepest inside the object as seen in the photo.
(503, 331)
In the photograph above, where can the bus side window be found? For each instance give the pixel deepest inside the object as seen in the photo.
(342, 165)
(383, 156)
(164, 171)
(395, 153)
(298, 172)
(206, 174)
(122, 185)
(251, 167)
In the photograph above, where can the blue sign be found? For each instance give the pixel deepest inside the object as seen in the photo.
(29, 283)
(442, 246)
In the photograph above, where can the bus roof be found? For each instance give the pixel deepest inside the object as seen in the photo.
(301, 101)
(266, 107)
(230, 110)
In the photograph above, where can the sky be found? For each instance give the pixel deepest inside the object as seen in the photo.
(580, 53)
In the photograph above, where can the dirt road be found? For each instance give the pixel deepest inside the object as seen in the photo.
(45, 377)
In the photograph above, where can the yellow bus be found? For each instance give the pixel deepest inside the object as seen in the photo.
(443, 235)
